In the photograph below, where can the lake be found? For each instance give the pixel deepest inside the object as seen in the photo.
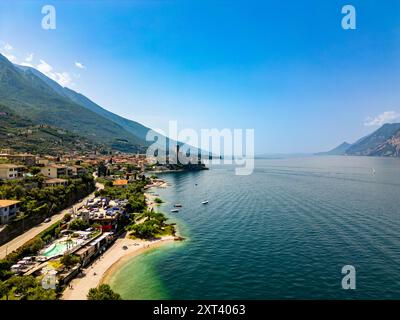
(284, 232)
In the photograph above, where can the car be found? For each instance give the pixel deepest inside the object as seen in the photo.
(47, 220)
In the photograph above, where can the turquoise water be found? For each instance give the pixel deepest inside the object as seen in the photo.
(284, 232)
(58, 249)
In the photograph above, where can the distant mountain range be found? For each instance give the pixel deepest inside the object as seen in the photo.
(32, 103)
(339, 150)
(29, 94)
(383, 142)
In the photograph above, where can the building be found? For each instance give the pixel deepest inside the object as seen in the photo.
(54, 171)
(120, 183)
(8, 210)
(43, 162)
(11, 171)
(56, 182)
(97, 246)
(25, 158)
(76, 170)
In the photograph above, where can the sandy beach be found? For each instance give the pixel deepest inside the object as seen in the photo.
(102, 268)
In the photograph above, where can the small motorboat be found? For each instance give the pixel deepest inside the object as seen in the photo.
(204, 202)
(177, 205)
(174, 210)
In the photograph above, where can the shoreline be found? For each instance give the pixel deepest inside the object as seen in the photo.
(101, 270)
(147, 246)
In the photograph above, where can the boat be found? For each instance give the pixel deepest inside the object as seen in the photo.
(177, 205)
(174, 210)
(205, 202)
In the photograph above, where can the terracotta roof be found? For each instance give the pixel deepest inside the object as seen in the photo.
(55, 180)
(120, 182)
(7, 203)
(56, 166)
(10, 166)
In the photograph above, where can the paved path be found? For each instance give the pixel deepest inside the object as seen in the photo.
(17, 242)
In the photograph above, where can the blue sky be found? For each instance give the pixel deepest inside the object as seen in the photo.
(285, 68)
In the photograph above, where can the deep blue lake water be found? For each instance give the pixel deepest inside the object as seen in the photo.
(284, 232)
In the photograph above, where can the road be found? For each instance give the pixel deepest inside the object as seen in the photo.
(17, 242)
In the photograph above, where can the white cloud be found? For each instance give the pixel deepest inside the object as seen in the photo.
(79, 65)
(386, 117)
(29, 57)
(10, 57)
(63, 78)
(45, 68)
(5, 51)
(8, 47)
(26, 64)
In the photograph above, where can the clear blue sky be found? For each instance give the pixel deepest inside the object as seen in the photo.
(285, 68)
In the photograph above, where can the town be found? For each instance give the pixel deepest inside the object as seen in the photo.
(58, 214)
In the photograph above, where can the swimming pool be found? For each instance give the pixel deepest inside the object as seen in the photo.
(59, 248)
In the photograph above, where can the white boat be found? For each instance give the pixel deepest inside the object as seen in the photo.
(174, 210)
(204, 202)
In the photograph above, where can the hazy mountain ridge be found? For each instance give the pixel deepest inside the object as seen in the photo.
(28, 93)
(384, 142)
(338, 151)
(133, 127)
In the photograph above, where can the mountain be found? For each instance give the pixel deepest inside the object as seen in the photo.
(22, 135)
(377, 142)
(28, 93)
(338, 151)
(135, 128)
(390, 148)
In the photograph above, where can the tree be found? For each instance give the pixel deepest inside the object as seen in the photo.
(39, 293)
(69, 260)
(103, 292)
(78, 224)
(4, 289)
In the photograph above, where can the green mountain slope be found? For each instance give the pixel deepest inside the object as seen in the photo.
(21, 134)
(30, 96)
(135, 128)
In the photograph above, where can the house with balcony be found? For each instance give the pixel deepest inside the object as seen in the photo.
(11, 171)
(56, 182)
(54, 171)
(76, 170)
(8, 210)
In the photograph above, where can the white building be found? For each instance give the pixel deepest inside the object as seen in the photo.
(11, 171)
(8, 210)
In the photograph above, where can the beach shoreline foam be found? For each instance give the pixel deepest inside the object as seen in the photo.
(122, 251)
